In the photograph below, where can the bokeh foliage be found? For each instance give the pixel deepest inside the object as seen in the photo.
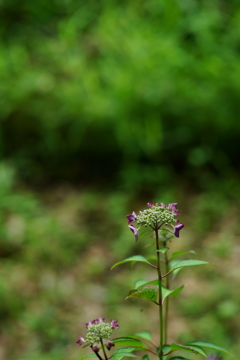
(123, 86)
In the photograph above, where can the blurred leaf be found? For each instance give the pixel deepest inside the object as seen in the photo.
(163, 250)
(136, 258)
(187, 263)
(143, 293)
(128, 341)
(166, 292)
(182, 253)
(145, 335)
(207, 345)
(193, 348)
(140, 283)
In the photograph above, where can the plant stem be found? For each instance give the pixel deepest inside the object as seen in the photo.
(160, 297)
(97, 354)
(105, 355)
(167, 284)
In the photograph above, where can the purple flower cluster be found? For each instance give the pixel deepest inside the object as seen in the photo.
(161, 215)
(213, 357)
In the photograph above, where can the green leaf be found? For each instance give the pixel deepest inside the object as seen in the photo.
(166, 292)
(145, 335)
(182, 253)
(145, 357)
(186, 263)
(143, 293)
(89, 356)
(207, 345)
(135, 258)
(165, 349)
(124, 352)
(129, 341)
(193, 348)
(122, 355)
(141, 283)
(163, 250)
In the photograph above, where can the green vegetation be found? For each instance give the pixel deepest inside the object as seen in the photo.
(106, 105)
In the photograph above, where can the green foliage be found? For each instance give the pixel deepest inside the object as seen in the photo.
(191, 348)
(128, 341)
(133, 259)
(186, 263)
(207, 345)
(145, 335)
(133, 87)
(143, 293)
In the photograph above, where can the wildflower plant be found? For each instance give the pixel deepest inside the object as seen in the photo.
(163, 223)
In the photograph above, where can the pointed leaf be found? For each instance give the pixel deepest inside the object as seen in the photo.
(141, 283)
(182, 253)
(207, 345)
(186, 263)
(128, 341)
(143, 293)
(163, 250)
(166, 292)
(145, 335)
(193, 348)
(135, 258)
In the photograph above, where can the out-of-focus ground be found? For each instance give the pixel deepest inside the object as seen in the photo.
(56, 252)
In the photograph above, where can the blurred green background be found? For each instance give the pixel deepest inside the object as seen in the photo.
(106, 105)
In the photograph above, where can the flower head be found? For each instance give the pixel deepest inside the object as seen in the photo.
(155, 217)
(213, 357)
(98, 330)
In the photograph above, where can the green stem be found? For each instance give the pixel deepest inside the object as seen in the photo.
(160, 297)
(103, 349)
(167, 285)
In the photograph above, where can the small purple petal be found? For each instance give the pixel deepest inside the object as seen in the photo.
(95, 348)
(177, 228)
(213, 357)
(109, 344)
(162, 205)
(80, 341)
(134, 230)
(114, 324)
(131, 218)
(173, 207)
(150, 204)
(100, 319)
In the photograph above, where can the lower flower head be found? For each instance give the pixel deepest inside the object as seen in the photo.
(98, 330)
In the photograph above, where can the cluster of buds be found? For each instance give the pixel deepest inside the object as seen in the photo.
(155, 217)
(96, 331)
